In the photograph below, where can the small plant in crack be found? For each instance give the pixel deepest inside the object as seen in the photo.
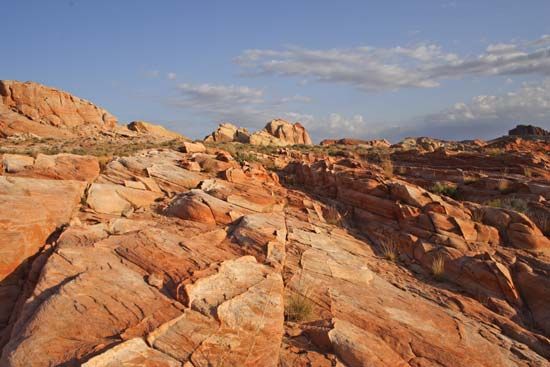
(388, 248)
(438, 268)
(298, 308)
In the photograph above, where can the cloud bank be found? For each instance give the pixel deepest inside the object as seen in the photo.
(381, 69)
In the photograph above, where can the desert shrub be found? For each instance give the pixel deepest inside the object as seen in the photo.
(243, 157)
(438, 268)
(494, 151)
(510, 203)
(389, 249)
(332, 216)
(470, 180)
(445, 189)
(298, 308)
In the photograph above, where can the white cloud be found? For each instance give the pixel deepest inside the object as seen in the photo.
(171, 76)
(378, 69)
(530, 103)
(242, 105)
(217, 95)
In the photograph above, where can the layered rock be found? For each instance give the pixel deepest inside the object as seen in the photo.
(377, 143)
(227, 132)
(153, 130)
(280, 132)
(50, 107)
(528, 130)
(60, 166)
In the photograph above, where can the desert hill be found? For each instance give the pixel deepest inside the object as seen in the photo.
(130, 245)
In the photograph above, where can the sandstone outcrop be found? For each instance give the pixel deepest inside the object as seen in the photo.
(60, 166)
(183, 255)
(280, 132)
(227, 132)
(528, 130)
(377, 143)
(51, 107)
(153, 130)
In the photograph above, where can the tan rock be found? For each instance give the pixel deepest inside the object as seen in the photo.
(117, 199)
(49, 106)
(133, 352)
(227, 132)
(14, 163)
(280, 132)
(193, 147)
(157, 131)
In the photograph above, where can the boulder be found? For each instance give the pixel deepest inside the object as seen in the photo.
(227, 132)
(280, 132)
(157, 131)
(117, 199)
(193, 147)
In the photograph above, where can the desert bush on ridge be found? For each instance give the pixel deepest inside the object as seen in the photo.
(445, 189)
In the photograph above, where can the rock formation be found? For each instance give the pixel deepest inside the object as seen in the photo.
(528, 130)
(227, 132)
(280, 132)
(378, 143)
(34, 105)
(277, 133)
(157, 131)
(184, 255)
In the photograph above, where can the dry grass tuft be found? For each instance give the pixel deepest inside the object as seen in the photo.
(438, 268)
(298, 308)
(389, 249)
(332, 216)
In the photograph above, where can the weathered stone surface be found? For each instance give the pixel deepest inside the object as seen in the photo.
(528, 130)
(247, 301)
(60, 166)
(280, 132)
(33, 210)
(132, 353)
(227, 132)
(188, 147)
(116, 199)
(154, 130)
(52, 107)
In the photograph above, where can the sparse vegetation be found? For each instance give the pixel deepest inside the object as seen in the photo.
(243, 157)
(445, 189)
(332, 216)
(438, 268)
(470, 180)
(510, 203)
(389, 249)
(527, 172)
(298, 308)
(494, 151)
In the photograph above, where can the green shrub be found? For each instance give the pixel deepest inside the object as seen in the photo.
(445, 189)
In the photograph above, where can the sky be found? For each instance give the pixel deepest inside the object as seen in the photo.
(362, 69)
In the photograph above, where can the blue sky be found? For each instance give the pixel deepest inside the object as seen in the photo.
(449, 69)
